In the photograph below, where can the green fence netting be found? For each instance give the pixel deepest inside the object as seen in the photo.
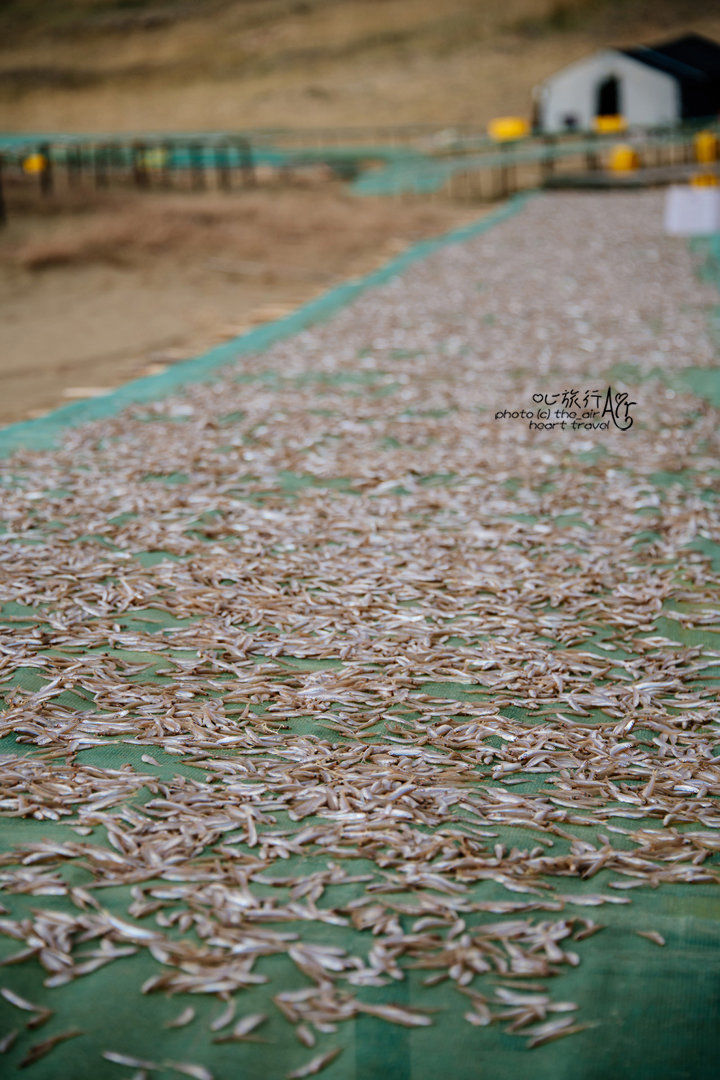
(424, 176)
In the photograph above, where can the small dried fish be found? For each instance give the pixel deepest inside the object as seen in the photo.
(182, 1019)
(553, 1031)
(248, 1024)
(315, 1065)
(224, 1018)
(18, 1001)
(480, 1016)
(8, 1041)
(39, 1019)
(305, 1035)
(651, 935)
(39, 1050)
(395, 1014)
(130, 1061)
(242, 1028)
(187, 1068)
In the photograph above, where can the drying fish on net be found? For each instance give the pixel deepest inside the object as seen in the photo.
(331, 704)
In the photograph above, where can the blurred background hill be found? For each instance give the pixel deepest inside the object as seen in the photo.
(211, 64)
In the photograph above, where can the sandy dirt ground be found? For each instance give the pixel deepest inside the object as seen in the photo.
(129, 284)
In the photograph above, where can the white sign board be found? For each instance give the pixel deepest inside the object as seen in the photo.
(692, 211)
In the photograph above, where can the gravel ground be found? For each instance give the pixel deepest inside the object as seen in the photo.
(386, 622)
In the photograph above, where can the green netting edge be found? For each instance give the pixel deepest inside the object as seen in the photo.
(705, 382)
(43, 433)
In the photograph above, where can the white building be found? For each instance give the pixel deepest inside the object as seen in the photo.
(648, 86)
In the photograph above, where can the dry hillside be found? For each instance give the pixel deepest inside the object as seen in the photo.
(179, 64)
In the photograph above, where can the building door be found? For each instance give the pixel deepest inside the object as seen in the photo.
(608, 97)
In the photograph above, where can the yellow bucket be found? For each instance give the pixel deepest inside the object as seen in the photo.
(155, 158)
(623, 158)
(608, 125)
(34, 163)
(706, 145)
(704, 180)
(504, 128)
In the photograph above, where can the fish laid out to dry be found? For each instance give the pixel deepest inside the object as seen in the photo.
(388, 682)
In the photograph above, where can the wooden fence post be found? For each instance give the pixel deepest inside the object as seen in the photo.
(503, 180)
(166, 170)
(139, 165)
(222, 168)
(3, 209)
(46, 172)
(245, 158)
(71, 166)
(548, 160)
(197, 166)
(591, 156)
(100, 165)
(480, 186)
(116, 160)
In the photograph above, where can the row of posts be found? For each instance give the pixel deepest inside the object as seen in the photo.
(146, 164)
(503, 176)
(151, 164)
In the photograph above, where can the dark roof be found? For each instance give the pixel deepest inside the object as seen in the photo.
(692, 57)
